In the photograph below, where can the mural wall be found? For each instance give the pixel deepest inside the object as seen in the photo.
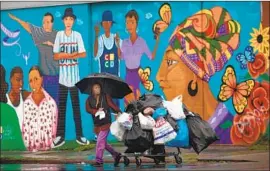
(216, 54)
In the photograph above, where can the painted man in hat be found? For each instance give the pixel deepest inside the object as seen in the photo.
(43, 38)
(68, 48)
(107, 47)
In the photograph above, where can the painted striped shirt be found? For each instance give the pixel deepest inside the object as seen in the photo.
(68, 68)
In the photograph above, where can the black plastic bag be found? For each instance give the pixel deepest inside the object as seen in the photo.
(172, 122)
(133, 107)
(201, 135)
(150, 100)
(136, 139)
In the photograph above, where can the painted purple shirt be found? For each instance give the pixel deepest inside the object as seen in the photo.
(132, 53)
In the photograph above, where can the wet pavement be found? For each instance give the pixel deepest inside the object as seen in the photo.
(213, 158)
(109, 166)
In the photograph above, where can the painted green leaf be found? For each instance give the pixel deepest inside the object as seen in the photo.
(226, 124)
(265, 77)
(248, 76)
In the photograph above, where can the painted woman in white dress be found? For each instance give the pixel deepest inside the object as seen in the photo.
(40, 115)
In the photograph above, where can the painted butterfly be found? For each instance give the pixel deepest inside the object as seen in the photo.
(248, 56)
(144, 75)
(165, 14)
(238, 92)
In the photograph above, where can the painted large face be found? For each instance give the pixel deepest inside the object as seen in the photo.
(47, 23)
(35, 80)
(174, 76)
(16, 82)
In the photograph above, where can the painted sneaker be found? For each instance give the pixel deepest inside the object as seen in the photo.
(82, 141)
(58, 142)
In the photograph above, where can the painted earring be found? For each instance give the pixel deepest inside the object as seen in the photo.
(192, 92)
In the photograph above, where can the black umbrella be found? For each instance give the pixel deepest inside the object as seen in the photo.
(111, 84)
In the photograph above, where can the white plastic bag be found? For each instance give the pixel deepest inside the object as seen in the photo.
(125, 120)
(175, 108)
(146, 122)
(117, 131)
(163, 132)
(101, 114)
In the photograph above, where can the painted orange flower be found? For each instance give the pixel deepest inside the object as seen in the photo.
(258, 66)
(245, 130)
(259, 99)
(259, 117)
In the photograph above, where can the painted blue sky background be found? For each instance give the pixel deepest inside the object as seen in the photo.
(246, 13)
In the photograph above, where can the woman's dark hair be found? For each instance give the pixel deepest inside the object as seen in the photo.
(36, 68)
(3, 85)
(15, 70)
(133, 13)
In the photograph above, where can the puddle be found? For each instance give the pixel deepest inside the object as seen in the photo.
(224, 160)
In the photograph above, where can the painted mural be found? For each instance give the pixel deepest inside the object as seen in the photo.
(215, 54)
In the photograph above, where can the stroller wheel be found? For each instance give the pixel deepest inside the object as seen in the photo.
(156, 161)
(126, 161)
(178, 159)
(138, 161)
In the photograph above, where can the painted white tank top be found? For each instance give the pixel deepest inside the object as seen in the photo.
(18, 109)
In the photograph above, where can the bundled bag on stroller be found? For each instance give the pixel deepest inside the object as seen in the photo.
(140, 138)
(137, 139)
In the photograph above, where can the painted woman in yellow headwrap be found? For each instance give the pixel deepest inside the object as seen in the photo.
(199, 47)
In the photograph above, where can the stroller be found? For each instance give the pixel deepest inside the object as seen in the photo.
(140, 142)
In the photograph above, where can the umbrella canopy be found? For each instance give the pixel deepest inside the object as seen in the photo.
(111, 84)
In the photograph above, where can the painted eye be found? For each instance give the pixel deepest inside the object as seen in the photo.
(171, 62)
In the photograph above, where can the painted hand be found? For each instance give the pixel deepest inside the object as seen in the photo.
(157, 33)
(74, 54)
(117, 39)
(48, 43)
(12, 16)
(97, 29)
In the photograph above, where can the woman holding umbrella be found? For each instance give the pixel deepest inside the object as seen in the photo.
(96, 103)
(102, 87)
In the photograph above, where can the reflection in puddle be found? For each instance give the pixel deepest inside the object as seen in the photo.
(84, 167)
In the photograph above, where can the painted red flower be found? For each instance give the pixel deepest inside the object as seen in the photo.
(259, 117)
(259, 99)
(258, 66)
(245, 129)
